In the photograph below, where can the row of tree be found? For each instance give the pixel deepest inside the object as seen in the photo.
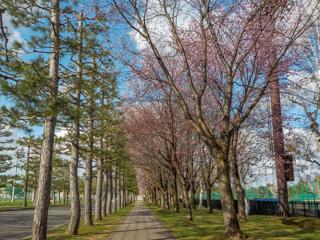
(60, 76)
(207, 72)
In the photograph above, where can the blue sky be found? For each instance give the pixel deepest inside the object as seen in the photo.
(24, 34)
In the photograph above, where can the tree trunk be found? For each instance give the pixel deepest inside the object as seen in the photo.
(176, 196)
(209, 203)
(110, 192)
(278, 143)
(167, 198)
(119, 191)
(236, 178)
(104, 194)
(123, 192)
(39, 229)
(34, 193)
(88, 189)
(188, 205)
(232, 228)
(115, 190)
(88, 171)
(99, 190)
(75, 210)
(193, 197)
(54, 197)
(26, 179)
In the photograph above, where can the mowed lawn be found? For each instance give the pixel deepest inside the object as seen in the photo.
(100, 230)
(7, 204)
(18, 204)
(210, 226)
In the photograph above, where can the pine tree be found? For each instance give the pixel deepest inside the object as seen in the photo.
(30, 163)
(33, 82)
(5, 148)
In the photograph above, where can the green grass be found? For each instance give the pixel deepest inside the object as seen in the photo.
(100, 230)
(18, 204)
(210, 226)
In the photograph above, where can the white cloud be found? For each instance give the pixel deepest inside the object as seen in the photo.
(14, 33)
(158, 25)
(61, 133)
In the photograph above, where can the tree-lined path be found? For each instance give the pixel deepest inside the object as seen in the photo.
(184, 103)
(140, 225)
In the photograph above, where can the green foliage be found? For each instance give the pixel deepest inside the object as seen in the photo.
(5, 149)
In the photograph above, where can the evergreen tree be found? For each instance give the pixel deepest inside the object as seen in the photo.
(5, 148)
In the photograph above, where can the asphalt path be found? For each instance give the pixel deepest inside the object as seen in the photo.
(16, 225)
(140, 224)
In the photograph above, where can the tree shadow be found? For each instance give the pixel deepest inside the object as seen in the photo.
(305, 224)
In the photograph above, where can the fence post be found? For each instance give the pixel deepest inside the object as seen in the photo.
(304, 208)
(292, 206)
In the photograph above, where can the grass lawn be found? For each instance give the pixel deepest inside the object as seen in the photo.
(210, 226)
(100, 230)
(18, 204)
(7, 204)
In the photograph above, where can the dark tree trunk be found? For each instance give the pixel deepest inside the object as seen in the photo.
(168, 199)
(104, 193)
(209, 203)
(99, 187)
(88, 192)
(236, 178)
(193, 197)
(176, 196)
(278, 143)
(88, 172)
(75, 211)
(119, 191)
(26, 180)
(123, 192)
(54, 197)
(110, 191)
(116, 190)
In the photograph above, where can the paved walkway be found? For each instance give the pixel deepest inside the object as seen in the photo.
(140, 225)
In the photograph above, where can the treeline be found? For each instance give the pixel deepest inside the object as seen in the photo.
(61, 77)
(211, 76)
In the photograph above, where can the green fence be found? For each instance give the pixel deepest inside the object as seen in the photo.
(302, 191)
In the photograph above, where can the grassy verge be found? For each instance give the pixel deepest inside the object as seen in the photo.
(210, 226)
(6, 205)
(100, 230)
